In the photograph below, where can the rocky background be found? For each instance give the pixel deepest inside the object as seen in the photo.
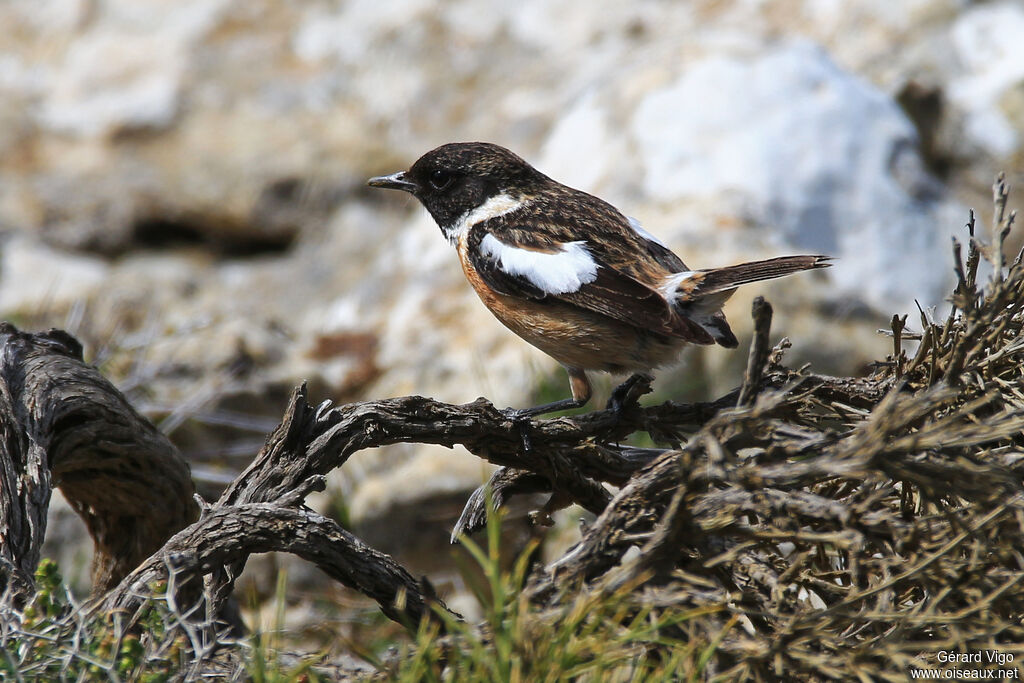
(182, 187)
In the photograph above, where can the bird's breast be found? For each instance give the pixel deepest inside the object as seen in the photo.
(574, 336)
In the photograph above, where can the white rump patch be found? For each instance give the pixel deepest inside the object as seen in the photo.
(639, 229)
(560, 272)
(670, 285)
(498, 205)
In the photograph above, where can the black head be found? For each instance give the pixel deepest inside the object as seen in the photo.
(460, 176)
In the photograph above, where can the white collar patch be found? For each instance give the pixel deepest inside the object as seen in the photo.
(498, 205)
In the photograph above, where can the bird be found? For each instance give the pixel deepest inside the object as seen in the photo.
(571, 274)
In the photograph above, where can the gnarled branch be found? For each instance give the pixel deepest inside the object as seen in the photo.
(64, 424)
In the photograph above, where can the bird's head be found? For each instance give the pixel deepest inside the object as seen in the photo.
(454, 179)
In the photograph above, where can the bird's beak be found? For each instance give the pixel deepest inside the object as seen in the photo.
(395, 181)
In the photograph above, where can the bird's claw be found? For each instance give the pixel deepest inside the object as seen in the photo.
(521, 418)
(629, 392)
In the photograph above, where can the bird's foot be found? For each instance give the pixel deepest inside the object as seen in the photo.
(521, 418)
(629, 392)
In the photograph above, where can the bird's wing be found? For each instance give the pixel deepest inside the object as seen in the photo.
(521, 263)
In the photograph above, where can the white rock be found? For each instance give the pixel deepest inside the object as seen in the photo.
(824, 158)
(989, 42)
(22, 77)
(584, 127)
(35, 277)
(112, 80)
(52, 16)
(185, 20)
(349, 34)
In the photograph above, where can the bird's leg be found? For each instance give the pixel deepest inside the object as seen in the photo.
(630, 391)
(581, 392)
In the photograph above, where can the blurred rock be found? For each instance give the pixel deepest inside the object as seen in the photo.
(115, 83)
(790, 153)
(36, 277)
(988, 45)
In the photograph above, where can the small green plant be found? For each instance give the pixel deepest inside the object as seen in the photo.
(264, 662)
(54, 639)
(599, 636)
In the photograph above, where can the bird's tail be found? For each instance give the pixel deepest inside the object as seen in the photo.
(699, 295)
(705, 283)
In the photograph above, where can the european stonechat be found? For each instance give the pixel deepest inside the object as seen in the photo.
(568, 272)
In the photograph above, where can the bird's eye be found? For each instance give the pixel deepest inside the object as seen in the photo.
(441, 179)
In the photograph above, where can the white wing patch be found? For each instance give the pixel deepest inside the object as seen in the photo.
(639, 229)
(560, 272)
(497, 205)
